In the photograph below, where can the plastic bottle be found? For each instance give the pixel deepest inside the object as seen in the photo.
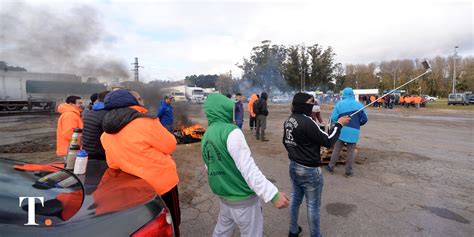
(71, 157)
(81, 162)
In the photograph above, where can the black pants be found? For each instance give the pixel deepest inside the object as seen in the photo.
(252, 122)
(171, 199)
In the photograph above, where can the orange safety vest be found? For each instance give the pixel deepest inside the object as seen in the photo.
(143, 148)
(70, 118)
(402, 99)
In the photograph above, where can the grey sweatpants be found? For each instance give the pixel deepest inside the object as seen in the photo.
(261, 126)
(246, 214)
(350, 155)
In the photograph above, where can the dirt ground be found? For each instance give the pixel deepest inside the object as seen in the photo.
(413, 177)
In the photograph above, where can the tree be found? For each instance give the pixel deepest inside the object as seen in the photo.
(264, 69)
(292, 68)
(204, 81)
(224, 84)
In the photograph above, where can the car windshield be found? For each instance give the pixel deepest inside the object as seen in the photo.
(179, 94)
(198, 92)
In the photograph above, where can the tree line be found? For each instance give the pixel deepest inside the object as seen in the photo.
(389, 74)
(280, 68)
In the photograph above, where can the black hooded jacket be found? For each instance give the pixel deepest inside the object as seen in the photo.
(260, 106)
(302, 137)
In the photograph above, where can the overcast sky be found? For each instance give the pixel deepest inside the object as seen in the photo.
(173, 39)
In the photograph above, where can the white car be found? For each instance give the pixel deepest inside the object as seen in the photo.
(430, 98)
(280, 99)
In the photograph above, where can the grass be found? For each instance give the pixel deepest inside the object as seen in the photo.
(443, 104)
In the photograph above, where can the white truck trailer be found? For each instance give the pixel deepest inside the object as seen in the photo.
(193, 94)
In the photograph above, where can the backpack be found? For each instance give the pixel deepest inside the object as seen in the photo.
(257, 108)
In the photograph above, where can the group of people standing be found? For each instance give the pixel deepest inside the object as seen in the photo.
(118, 128)
(392, 100)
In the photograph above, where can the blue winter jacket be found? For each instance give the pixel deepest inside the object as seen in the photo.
(347, 106)
(165, 113)
(239, 111)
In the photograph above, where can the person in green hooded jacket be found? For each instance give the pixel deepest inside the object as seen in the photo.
(232, 173)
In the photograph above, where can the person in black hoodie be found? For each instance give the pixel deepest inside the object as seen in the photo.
(261, 110)
(92, 128)
(303, 139)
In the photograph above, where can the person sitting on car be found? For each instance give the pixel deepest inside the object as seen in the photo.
(137, 143)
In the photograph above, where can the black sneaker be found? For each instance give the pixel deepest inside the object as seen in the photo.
(348, 174)
(329, 169)
(297, 234)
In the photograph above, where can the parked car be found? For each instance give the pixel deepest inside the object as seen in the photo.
(458, 98)
(471, 99)
(280, 99)
(430, 98)
(103, 202)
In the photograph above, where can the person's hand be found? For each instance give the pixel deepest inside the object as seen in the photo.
(344, 120)
(283, 201)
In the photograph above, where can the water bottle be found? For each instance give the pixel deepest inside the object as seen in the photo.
(76, 137)
(81, 162)
(71, 157)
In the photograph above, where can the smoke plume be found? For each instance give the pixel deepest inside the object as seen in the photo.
(40, 39)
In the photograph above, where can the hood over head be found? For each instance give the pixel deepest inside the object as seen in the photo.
(348, 93)
(119, 99)
(299, 105)
(264, 96)
(219, 108)
(64, 107)
(117, 119)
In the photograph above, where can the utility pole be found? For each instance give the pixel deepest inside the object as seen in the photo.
(454, 68)
(135, 70)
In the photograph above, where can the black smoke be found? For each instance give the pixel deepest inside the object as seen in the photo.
(44, 39)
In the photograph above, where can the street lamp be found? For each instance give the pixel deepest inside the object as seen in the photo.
(454, 68)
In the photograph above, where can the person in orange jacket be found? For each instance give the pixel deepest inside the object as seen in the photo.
(137, 143)
(372, 99)
(253, 116)
(70, 118)
(408, 100)
(402, 100)
(417, 101)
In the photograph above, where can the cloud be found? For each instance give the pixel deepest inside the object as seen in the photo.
(174, 39)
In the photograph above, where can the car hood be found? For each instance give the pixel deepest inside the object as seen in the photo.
(77, 198)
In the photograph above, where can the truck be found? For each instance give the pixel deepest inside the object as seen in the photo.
(26, 89)
(193, 94)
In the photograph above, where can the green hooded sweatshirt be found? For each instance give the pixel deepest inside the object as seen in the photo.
(225, 179)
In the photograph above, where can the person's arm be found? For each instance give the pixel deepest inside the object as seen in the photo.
(240, 153)
(314, 132)
(161, 138)
(335, 114)
(70, 122)
(161, 111)
(363, 118)
(265, 108)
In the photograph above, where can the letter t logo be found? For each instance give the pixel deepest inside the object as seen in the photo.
(31, 208)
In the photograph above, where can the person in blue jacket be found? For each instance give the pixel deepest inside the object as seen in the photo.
(349, 133)
(239, 110)
(165, 113)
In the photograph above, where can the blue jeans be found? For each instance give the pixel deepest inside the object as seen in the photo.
(306, 181)
(239, 123)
